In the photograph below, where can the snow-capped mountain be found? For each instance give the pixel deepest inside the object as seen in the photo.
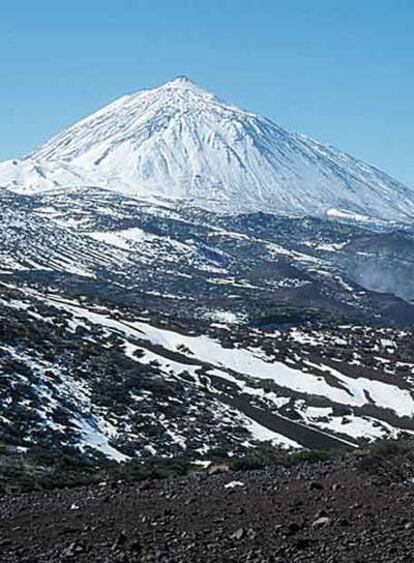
(134, 325)
(181, 142)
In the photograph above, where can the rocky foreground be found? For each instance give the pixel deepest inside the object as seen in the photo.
(359, 508)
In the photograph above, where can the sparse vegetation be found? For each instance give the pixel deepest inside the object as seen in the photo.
(388, 459)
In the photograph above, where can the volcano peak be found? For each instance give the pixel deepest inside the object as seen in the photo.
(180, 141)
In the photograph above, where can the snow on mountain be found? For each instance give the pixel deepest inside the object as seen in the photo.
(128, 384)
(181, 142)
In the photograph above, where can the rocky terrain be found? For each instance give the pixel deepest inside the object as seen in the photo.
(345, 508)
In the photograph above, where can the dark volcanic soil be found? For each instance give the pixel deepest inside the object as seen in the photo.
(327, 512)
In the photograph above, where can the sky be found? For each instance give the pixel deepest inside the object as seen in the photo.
(341, 71)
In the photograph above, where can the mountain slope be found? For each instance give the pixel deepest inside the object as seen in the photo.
(181, 142)
(122, 383)
(198, 263)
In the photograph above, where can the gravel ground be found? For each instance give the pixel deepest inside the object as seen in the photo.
(322, 512)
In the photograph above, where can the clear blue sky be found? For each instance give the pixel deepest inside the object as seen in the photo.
(339, 70)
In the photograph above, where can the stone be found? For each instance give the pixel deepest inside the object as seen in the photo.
(238, 534)
(321, 522)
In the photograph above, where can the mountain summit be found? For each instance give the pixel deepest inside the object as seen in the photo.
(180, 141)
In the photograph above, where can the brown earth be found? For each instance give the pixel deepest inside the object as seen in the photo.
(330, 512)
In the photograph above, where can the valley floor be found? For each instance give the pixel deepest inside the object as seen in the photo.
(327, 511)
